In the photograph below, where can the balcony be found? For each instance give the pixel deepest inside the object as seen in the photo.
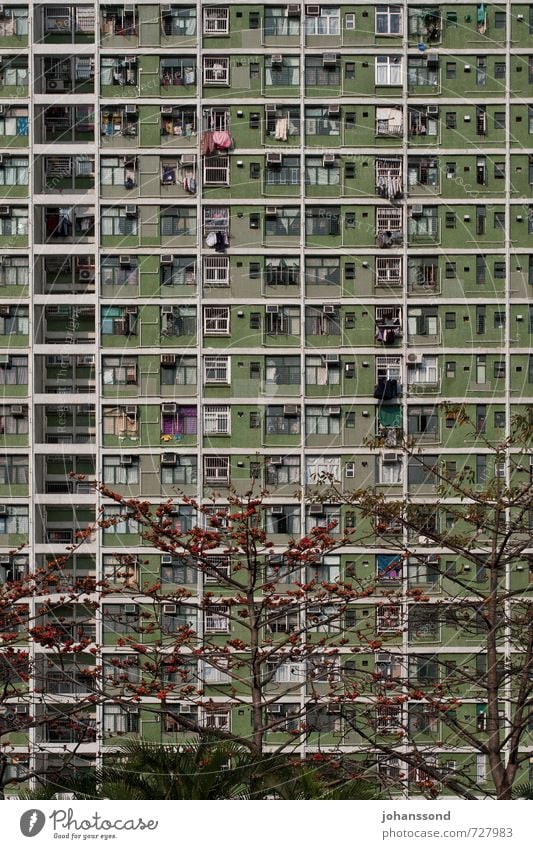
(64, 124)
(68, 325)
(65, 225)
(57, 174)
(65, 25)
(64, 75)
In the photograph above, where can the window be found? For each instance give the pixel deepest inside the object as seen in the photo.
(288, 174)
(499, 220)
(322, 271)
(178, 20)
(282, 370)
(499, 70)
(451, 274)
(183, 470)
(178, 370)
(117, 471)
(388, 618)
(216, 20)
(14, 271)
(121, 522)
(216, 321)
(14, 171)
(277, 422)
(321, 323)
(422, 470)
(424, 225)
(390, 468)
(14, 321)
(424, 623)
(113, 272)
(318, 372)
(499, 368)
(499, 19)
(326, 23)
(499, 120)
(319, 74)
(322, 221)
(13, 470)
(216, 470)
(318, 468)
(422, 421)
(481, 70)
(216, 369)
(451, 120)
(119, 371)
(14, 372)
(288, 471)
(177, 221)
(287, 73)
(217, 420)
(425, 372)
(278, 23)
(451, 70)
(388, 70)
(318, 122)
(13, 424)
(115, 222)
(321, 421)
(16, 223)
(281, 272)
(286, 222)
(318, 174)
(388, 20)
(421, 73)
(389, 568)
(282, 519)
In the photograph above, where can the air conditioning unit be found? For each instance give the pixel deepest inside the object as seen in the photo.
(270, 211)
(271, 109)
(331, 358)
(277, 59)
(433, 559)
(5, 561)
(333, 411)
(274, 159)
(432, 58)
(130, 310)
(126, 460)
(316, 509)
(414, 359)
(166, 10)
(166, 259)
(168, 409)
(328, 309)
(274, 708)
(56, 85)
(168, 459)
(168, 359)
(124, 259)
(334, 109)
(328, 159)
(432, 110)
(312, 11)
(391, 457)
(3, 509)
(188, 159)
(17, 410)
(130, 109)
(277, 510)
(166, 560)
(349, 470)
(417, 209)
(130, 411)
(291, 410)
(86, 275)
(131, 210)
(85, 360)
(130, 608)
(271, 309)
(293, 10)
(5, 211)
(329, 59)
(277, 460)
(2, 108)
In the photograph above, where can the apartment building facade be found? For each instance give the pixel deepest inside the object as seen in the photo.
(238, 240)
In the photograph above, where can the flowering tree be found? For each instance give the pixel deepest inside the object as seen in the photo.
(48, 681)
(446, 703)
(239, 634)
